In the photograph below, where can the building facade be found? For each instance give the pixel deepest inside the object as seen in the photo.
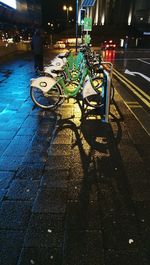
(27, 12)
(120, 12)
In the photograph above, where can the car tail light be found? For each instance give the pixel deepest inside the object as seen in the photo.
(114, 45)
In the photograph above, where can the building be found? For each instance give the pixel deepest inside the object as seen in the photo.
(124, 21)
(120, 12)
(27, 12)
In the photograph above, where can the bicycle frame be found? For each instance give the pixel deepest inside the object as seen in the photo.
(78, 85)
(74, 78)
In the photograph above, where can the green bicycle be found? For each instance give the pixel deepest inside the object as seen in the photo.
(48, 93)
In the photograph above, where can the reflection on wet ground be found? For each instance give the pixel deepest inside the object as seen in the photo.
(109, 55)
(71, 190)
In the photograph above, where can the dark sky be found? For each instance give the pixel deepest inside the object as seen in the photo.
(53, 9)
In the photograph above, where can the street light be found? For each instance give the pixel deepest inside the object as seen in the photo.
(77, 5)
(51, 28)
(67, 9)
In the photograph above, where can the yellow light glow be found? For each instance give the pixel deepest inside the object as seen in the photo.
(103, 20)
(70, 8)
(64, 8)
(97, 12)
(130, 17)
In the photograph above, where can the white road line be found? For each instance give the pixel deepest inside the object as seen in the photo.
(135, 89)
(145, 129)
(123, 59)
(137, 73)
(143, 61)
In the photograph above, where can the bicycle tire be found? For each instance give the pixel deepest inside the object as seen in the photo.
(95, 101)
(48, 100)
(97, 82)
(112, 92)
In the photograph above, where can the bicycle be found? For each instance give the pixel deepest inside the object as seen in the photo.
(69, 65)
(48, 93)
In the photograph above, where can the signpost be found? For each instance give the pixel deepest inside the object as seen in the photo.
(87, 39)
(87, 24)
(77, 3)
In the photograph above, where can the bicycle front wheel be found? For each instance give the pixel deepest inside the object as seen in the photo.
(93, 96)
(97, 82)
(112, 92)
(46, 100)
(94, 101)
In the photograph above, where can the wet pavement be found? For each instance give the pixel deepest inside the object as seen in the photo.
(73, 190)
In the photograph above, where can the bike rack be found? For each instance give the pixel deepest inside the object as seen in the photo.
(108, 73)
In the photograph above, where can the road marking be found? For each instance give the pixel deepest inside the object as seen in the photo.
(143, 61)
(133, 105)
(123, 59)
(137, 73)
(130, 85)
(137, 118)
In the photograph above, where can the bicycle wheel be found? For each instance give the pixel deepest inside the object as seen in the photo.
(46, 100)
(94, 101)
(93, 96)
(112, 92)
(97, 82)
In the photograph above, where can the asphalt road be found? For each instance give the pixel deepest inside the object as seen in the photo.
(131, 77)
(135, 65)
(132, 70)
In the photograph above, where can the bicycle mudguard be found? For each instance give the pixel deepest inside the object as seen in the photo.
(88, 90)
(44, 83)
(58, 62)
(49, 69)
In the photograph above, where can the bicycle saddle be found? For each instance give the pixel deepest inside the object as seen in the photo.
(62, 56)
(57, 71)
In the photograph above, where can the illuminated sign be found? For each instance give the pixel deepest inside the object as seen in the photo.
(11, 3)
(87, 24)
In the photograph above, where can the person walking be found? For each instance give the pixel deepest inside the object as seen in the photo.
(37, 48)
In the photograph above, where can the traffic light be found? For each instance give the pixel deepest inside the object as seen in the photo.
(82, 16)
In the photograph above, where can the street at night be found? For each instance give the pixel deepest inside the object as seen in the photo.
(74, 177)
(132, 69)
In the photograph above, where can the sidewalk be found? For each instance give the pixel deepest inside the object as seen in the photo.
(72, 192)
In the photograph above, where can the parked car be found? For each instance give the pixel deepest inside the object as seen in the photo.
(60, 45)
(108, 45)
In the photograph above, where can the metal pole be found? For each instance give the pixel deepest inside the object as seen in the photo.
(67, 22)
(77, 4)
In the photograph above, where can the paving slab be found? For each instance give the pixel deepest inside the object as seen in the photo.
(73, 189)
(10, 246)
(14, 215)
(49, 256)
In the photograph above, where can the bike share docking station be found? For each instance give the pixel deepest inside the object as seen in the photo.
(107, 89)
(48, 92)
(106, 93)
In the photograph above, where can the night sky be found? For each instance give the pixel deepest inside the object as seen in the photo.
(52, 10)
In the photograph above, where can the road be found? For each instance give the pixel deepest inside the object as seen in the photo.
(132, 69)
